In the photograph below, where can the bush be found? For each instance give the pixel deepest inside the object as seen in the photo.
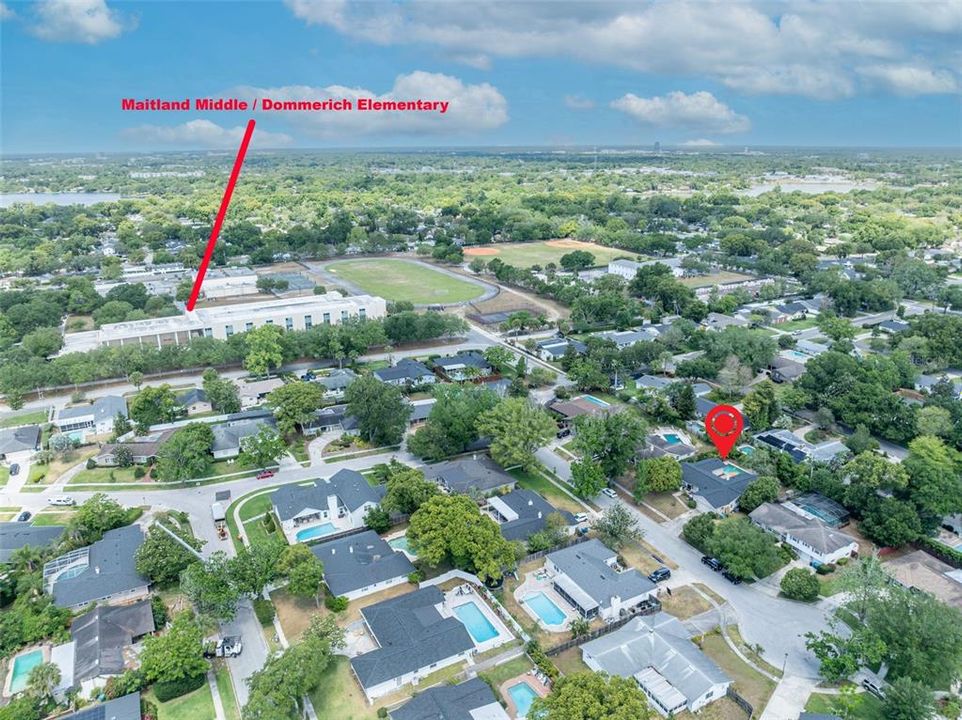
(335, 603)
(148, 710)
(800, 584)
(416, 577)
(787, 553)
(91, 464)
(826, 569)
(690, 502)
(139, 472)
(264, 610)
(120, 685)
(539, 658)
(842, 561)
(159, 610)
(382, 712)
(175, 688)
(269, 524)
(699, 530)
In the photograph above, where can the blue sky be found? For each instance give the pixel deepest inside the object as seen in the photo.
(823, 74)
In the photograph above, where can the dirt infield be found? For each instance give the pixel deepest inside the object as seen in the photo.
(478, 251)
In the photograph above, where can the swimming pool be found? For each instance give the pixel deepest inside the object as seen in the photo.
(595, 401)
(671, 438)
(479, 627)
(315, 531)
(523, 695)
(545, 609)
(22, 665)
(746, 449)
(730, 469)
(401, 543)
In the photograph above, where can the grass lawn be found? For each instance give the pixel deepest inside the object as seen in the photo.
(295, 613)
(257, 532)
(716, 278)
(52, 518)
(106, 476)
(569, 662)
(402, 280)
(257, 505)
(666, 503)
(638, 555)
(198, 704)
(828, 584)
(226, 690)
(542, 253)
(794, 325)
(34, 417)
(339, 696)
(551, 492)
(868, 706)
(684, 603)
(497, 675)
(299, 449)
(4, 474)
(753, 686)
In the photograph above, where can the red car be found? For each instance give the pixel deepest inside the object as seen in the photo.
(264, 474)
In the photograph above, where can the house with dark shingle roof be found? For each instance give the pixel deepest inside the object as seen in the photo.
(361, 564)
(102, 640)
(228, 435)
(715, 484)
(479, 473)
(471, 700)
(337, 503)
(557, 347)
(469, 365)
(406, 372)
(122, 708)
(96, 417)
(589, 577)
(15, 535)
(18, 444)
(194, 401)
(102, 572)
(521, 513)
(413, 640)
(336, 382)
(814, 540)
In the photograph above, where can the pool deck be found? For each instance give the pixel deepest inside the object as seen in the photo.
(464, 594)
(532, 585)
(539, 687)
(8, 680)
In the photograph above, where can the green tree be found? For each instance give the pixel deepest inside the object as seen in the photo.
(407, 490)
(661, 474)
(617, 527)
(611, 439)
(255, 567)
(587, 478)
(800, 584)
(838, 329)
(43, 681)
(136, 378)
(935, 477)
(577, 260)
(906, 699)
(890, 522)
(304, 572)
(699, 531)
(517, 429)
(154, 405)
(221, 392)
(758, 492)
(264, 448)
(187, 453)
(380, 410)
(264, 349)
(860, 441)
(452, 423)
(161, 559)
(579, 626)
(591, 696)
(43, 342)
(294, 405)
(123, 456)
(761, 406)
(933, 420)
(681, 397)
(177, 654)
(208, 586)
(452, 528)
(121, 425)
(94, 517)
(744, 549)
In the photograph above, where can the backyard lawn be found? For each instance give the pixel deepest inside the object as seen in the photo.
(498, 674)
(867, 707)
(569, 662)
(684, 603)
(198, 704)
(542, 253)
(716, 278)
(33, 417)
(793, 325)
(544, 487)
(402, 280)
(339, 696)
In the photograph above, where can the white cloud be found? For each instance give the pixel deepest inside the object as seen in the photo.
(473, 108)
(700, 142)
(802, 47)
(911, 79)
(201, 134)
(83, 21)
(5, 12)
(577, 102)
(697, 111)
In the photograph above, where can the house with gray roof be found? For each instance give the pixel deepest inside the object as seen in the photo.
(96, 417)
(521, 513)
(715, 484)
(703, 406)
(469, 365)
(358, 565)
(329, 419)
(336, 382)
(471, 700)
(626, 338)
(801, 450)
(102, 640)
(406, 373)
(555, 348)
(18, 444)
(893, 326)
(783, 369)
(652, 382)
(413, 640)
(228, 435)
(479, 473)
(657, 652)
(324, 506)
(122, 708)
(925, 383)
(720, 321)
(16, 535)
(102, 572)
(194, 401)
(589, 578)
(816, 542)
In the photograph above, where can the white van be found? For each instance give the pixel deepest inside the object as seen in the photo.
(61, 500)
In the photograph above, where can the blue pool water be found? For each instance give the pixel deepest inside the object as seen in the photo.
(479, 627)
(545, 609)
(315, 532)
(671, 438)
(732, 469)
(401, 543)
(959, 547)
(523, 696)
(22, 665)
(746, 449)
(595, 401)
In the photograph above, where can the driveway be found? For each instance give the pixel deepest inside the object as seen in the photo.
(246, 625)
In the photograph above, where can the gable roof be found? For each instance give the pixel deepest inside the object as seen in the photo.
(714, 485)
(471, 700)
(228, 436)
(122, 708)
(658, 642)
(404, 369)
(411, 634)
(100, 636)
(103, 408)
(527, 513)
(191, 396)
(15, 535)
(812, 532)
(586, 565)
(350, 487)
(357, 561)
(652, 382)
(19, 439)
(337, 379)
(105, 568)
(467, 359)
(480, 472)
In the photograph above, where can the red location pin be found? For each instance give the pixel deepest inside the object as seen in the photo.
(724, 425)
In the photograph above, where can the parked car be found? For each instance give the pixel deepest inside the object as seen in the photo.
(583, 531)
(581, 517)
(609, 492)
(731, 577)
(874, 688)
(264, 474)
(562, 433)
(230, 647)
(308, 376)
(14, 468)
(660, 575)
(61, 500)
(24, 516)
(714, 563)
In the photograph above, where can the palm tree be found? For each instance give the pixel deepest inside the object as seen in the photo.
(26, 559)
(43, 681)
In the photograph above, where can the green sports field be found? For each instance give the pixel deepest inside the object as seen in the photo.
(542, 253)
(400, 280)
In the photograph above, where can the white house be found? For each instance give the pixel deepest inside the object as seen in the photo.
(362, 564)
(816, 542)
(96, 417)
(324, 507)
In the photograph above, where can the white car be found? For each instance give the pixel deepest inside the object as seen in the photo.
(581, 517)
(61, 500)
(609, 492)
